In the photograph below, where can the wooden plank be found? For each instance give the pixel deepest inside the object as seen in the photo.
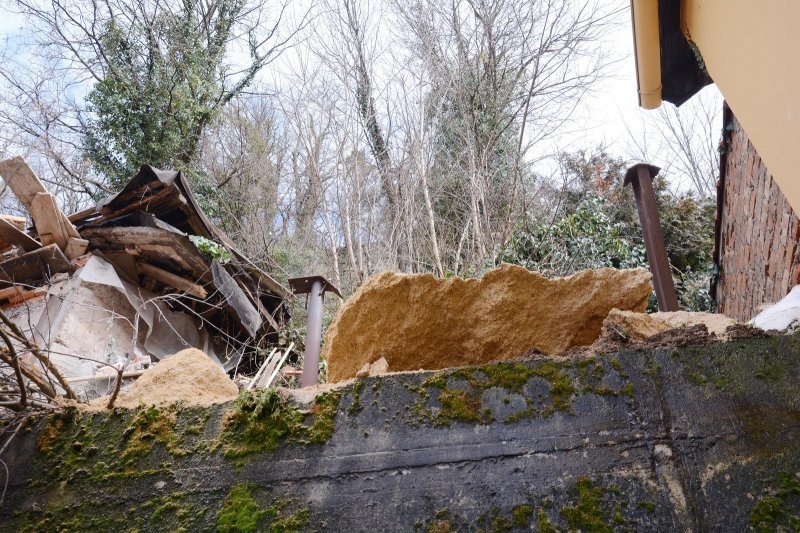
(17, 222)
(101, 377)
(82, 214)
(10, 292)
(264, 365)
(277, 368)
(153, 245)
(24, 296)
(34, 266)
(21, 180)
(76, 248)
(45, 214)
(172, 280)
(11, 234)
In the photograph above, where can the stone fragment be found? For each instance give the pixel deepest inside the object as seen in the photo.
(417, 321)
(379, 367)
(363, 371)
(641, 326)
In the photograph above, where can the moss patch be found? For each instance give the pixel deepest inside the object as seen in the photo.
(261, 421)
(460, 393)
(773, 512)
(240, 512)
(590, 510)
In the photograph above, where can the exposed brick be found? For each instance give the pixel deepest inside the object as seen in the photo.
(759, 234)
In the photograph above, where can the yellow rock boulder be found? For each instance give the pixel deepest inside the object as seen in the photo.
(416, 321)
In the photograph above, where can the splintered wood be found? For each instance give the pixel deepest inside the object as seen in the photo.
(52, 225)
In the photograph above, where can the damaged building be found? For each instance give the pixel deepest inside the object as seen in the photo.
(134, 279)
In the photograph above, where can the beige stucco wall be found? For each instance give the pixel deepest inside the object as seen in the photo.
(752, 51)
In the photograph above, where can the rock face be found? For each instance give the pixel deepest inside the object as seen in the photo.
(641, 326)
(702, 438)
(421, 322)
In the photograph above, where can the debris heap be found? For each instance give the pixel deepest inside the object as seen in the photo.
(138, 277)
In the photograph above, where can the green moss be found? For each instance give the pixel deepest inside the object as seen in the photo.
(150, 425)
(282, 522)
(588, 512)
(648, 506)
(618, 367)
(772, 512)
(545, 526)
(240, 512)
(355, 406)
(458, 405)
(261, 421)
(627, 389)
(521, 514)
(442, 523)
(324, 410)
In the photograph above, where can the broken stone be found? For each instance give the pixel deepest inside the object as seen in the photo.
(379, 367)
(641, 326)
(363, 371)
(418, 321)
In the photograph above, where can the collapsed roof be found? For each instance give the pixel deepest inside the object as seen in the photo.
(153, 243)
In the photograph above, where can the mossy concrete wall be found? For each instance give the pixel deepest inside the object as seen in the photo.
(701, 438)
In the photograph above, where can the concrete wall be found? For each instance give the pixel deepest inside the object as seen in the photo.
(695, 438)
(759, 248)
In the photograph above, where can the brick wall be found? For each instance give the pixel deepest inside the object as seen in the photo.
(759, 252)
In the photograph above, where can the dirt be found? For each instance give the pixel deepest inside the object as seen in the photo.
(189, 377)
(420, 322)
(641, 326)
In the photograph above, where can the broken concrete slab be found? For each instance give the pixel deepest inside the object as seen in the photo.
(421, 322)
(635, 326)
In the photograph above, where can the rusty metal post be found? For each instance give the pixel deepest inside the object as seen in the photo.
(315, 287)
(640, 177)
(313, 336)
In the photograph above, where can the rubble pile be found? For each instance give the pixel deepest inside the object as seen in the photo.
(136, 278)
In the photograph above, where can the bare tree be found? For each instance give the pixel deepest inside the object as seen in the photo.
(683, 141)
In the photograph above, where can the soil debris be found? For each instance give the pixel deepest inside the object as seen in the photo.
(188, 377)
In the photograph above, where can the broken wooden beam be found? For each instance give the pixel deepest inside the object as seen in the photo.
(25, 296)
(172, 280)
(152, 245)
(11, 234)
(83, 214)
(51, 223)
(75, 247)
(21, 180)
(17, 222)
(33, 266)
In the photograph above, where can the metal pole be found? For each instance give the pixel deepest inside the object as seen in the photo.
(641, 178)
(313, 335)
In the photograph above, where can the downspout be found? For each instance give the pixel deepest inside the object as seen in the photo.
(647, 47)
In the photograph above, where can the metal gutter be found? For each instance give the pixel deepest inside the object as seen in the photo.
(647, 48)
